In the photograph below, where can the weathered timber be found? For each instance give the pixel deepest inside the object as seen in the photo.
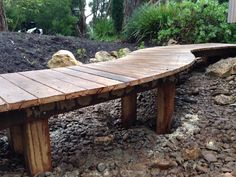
(37, 150)
(165, 104)
(15, 139)
(129, 109)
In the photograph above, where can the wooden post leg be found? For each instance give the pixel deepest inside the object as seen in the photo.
(15, 138)
(37, 146)
(165, 103)
(129, 110)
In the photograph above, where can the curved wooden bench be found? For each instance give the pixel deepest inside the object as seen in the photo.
(28, 99)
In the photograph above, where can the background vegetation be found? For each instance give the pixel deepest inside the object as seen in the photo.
(153, 21)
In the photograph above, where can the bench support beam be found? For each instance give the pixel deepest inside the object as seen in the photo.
(129, 110)
(15, 138)
(165, 103)
(37, 150)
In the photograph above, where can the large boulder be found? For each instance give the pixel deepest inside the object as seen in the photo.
(223, 68)
(62, 58)
(102, 56)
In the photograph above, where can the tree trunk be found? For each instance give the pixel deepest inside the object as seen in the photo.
(129, 7)
(3, 23)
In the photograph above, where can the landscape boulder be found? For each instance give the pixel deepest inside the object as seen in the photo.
(123, 52)
(114, 54)
(223, 68)
(62, 58)
(103, 56)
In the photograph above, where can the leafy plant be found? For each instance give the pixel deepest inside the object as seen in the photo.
(55, 17)
(186, 22)
(103, 30)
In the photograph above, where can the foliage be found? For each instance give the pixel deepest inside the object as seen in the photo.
(118, 14)
(186, 22)
(100, 8)
(141, 45)
(55, 17)
(103, 30)
(81, 52)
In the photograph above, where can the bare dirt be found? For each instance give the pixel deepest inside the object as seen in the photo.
(90, 142)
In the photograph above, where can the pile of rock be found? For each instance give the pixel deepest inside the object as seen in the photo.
(102, 56)
(225, 69)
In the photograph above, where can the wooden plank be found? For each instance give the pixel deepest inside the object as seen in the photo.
(37, 146)
(109, 83)
(129, 110)
(46, 78)
(71, 86)
(15, 139)
(165, 103)
(3, 105)
(14, 96)
(117, 70)
(44, 93)
(104, 74)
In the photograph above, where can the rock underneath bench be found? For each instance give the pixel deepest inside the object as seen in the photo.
(29, 99)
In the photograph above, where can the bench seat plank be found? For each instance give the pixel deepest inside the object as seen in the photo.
(104, 74)
(71, 86)
(14, 96)
(109, 83)
(118, 70)
(43, 93)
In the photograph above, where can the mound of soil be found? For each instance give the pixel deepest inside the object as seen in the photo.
(90, 142)
(23, 52)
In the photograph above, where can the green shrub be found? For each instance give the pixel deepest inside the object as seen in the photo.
(186, 22)
(54, 17)
(103, 30)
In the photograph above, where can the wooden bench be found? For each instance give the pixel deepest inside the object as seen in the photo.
(28, 99)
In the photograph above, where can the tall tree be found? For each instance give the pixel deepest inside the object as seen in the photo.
(118, 14)
(130, 6)
(100, 9)
(78, 8)
(3, 23)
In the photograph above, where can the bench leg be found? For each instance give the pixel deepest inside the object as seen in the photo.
(129, 110)
(165, 103)
(37, 150)
(15, 138)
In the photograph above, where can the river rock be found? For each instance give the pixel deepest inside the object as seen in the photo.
(62, 58)
(209, 156)
(101, 167)
(223, 68)
(192, 153)
(162, 164)
(104, 140)
(224, 99)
